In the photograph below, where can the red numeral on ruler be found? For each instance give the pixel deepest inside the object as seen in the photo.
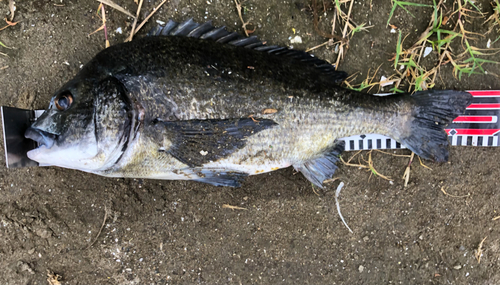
(478, 119)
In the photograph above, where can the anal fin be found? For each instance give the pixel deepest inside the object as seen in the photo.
(219, 177)
(323, 167)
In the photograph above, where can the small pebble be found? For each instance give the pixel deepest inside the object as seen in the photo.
(296, 39)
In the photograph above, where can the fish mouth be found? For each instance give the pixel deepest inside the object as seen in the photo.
(43, 138)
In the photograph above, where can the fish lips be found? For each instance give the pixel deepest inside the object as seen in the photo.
(43, 138)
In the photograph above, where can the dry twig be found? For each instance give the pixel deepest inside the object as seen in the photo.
(269, 111)
(314, 190)
(243, 23)
(104, 25)
(372, 168)
(422, 164)
(318, 46)
(12, 9)
(331, 180)
(393, 154)
(227, 206)
(406, 175)
(454, 196)
(369, 165)
(117, 7)
(479, 251)
(132, 32)
(9, 23)
(368, 82)
(149, 16)
(106, 213)
(316, 22)
(344, 34)
(98, 29)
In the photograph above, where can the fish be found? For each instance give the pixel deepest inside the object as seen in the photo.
(191, 101)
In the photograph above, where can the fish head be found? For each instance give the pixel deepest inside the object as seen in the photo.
(86, 126)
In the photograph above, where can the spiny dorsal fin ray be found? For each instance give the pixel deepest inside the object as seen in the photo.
(184, 28)
(207, 31)
(201, 29)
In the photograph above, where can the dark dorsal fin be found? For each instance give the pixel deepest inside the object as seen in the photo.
(207, 31)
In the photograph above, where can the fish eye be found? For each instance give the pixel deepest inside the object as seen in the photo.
(64, 101)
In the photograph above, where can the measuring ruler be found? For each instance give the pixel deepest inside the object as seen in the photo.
(479, 126)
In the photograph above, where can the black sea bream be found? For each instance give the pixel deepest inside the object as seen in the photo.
(195, 102)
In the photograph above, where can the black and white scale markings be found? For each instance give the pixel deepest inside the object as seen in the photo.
(479, 126)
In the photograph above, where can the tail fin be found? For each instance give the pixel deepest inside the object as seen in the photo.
(434, 110)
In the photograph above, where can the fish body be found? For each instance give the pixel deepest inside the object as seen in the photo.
(193, 102)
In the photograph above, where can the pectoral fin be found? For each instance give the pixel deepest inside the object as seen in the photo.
(197, 142)
(323, 167)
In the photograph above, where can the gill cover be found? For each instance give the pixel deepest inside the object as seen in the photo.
(86, 126)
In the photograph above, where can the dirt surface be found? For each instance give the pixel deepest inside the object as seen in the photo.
(175, 232)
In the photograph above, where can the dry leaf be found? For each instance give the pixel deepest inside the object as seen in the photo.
(394, 27)
(136, 2)
(52, 278)
(445, 20)
(269, 111)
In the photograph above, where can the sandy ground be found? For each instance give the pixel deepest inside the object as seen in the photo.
(174, 232)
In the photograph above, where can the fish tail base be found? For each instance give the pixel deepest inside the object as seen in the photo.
(434, 110)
